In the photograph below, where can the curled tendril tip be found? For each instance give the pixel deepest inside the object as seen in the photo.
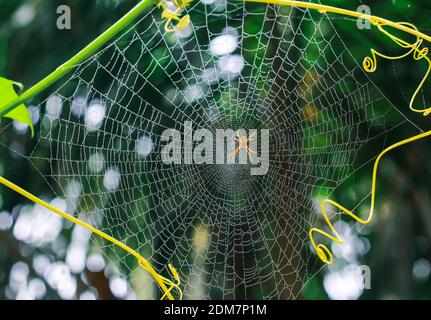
(418, 52)
(171, 16)
(415, 49)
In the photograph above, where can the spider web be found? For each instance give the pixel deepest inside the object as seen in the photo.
(229, 234)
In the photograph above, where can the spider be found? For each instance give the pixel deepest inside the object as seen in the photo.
(243, 143)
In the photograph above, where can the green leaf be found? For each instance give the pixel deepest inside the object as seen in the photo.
(7, 95)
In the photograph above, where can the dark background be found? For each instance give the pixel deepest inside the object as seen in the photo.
(398, 250)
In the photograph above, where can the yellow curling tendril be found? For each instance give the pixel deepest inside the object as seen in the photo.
(322, 250)
(370, 65)
(166, 285)
(172, 16)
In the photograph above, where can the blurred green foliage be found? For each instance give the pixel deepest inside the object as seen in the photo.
(31, 46)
